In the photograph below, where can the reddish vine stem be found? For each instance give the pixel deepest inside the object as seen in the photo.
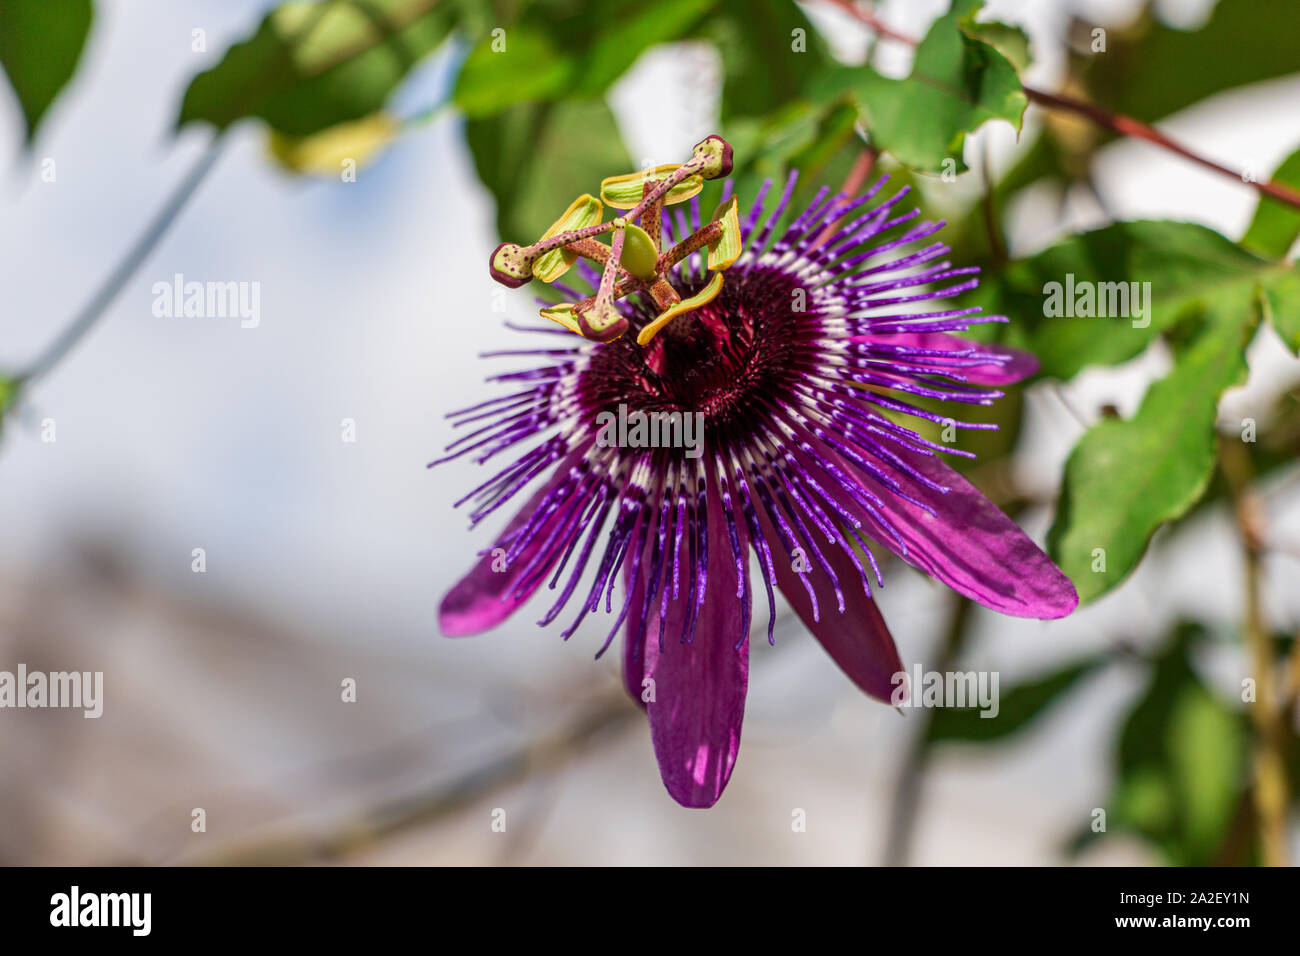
(854, 182)
(1116, 122)
(1127, 126)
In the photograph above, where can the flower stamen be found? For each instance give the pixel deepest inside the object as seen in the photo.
(633, 262)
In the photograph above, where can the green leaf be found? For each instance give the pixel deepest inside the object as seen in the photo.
(40, 44)
(1018, 707)
(312, 66)
(1276, 226)
(958, 82)
(770, 52)
(556, 51)
(523, 65)
(617, 45)
(1010, 41)
(1126, 478)
(536, 157)
(817, 140)
(1181, 762)
(1131, 77)
(1176, 265)
(1282, 297)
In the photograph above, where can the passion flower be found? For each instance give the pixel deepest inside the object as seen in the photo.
(802, 352)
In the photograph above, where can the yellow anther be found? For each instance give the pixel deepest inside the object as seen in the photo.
(624, 192)
(726, 249)
(585, 211)
(703, 297)
(563, 315)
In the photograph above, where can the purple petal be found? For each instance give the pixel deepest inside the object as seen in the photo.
(483, 598)
(699, 687)
(856, 639)
(633, 659)
(972, 547)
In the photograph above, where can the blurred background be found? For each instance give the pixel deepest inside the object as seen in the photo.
(325, 558)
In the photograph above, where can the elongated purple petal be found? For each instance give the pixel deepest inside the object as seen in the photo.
(857, 638)
(699, 686)
(974, 548)
(485, 597)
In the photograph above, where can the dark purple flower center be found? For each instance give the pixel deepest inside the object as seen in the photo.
(723, 359)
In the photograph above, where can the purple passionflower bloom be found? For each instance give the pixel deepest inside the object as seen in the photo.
(793, 362)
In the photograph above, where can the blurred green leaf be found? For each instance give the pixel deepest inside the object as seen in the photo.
(521, 66)
(1282, 295)
(1276, 226)
(619, 43)
(1131, 77)
(1181, 762)
(312, 66)
(770, 52)
(1126, 478)
(1244, 41)
(958, 82)
(536, 158)
(1184, 264)
(557, 50)
(1010, 41)
(1018, 707)
(40, 44)
(817, 140)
